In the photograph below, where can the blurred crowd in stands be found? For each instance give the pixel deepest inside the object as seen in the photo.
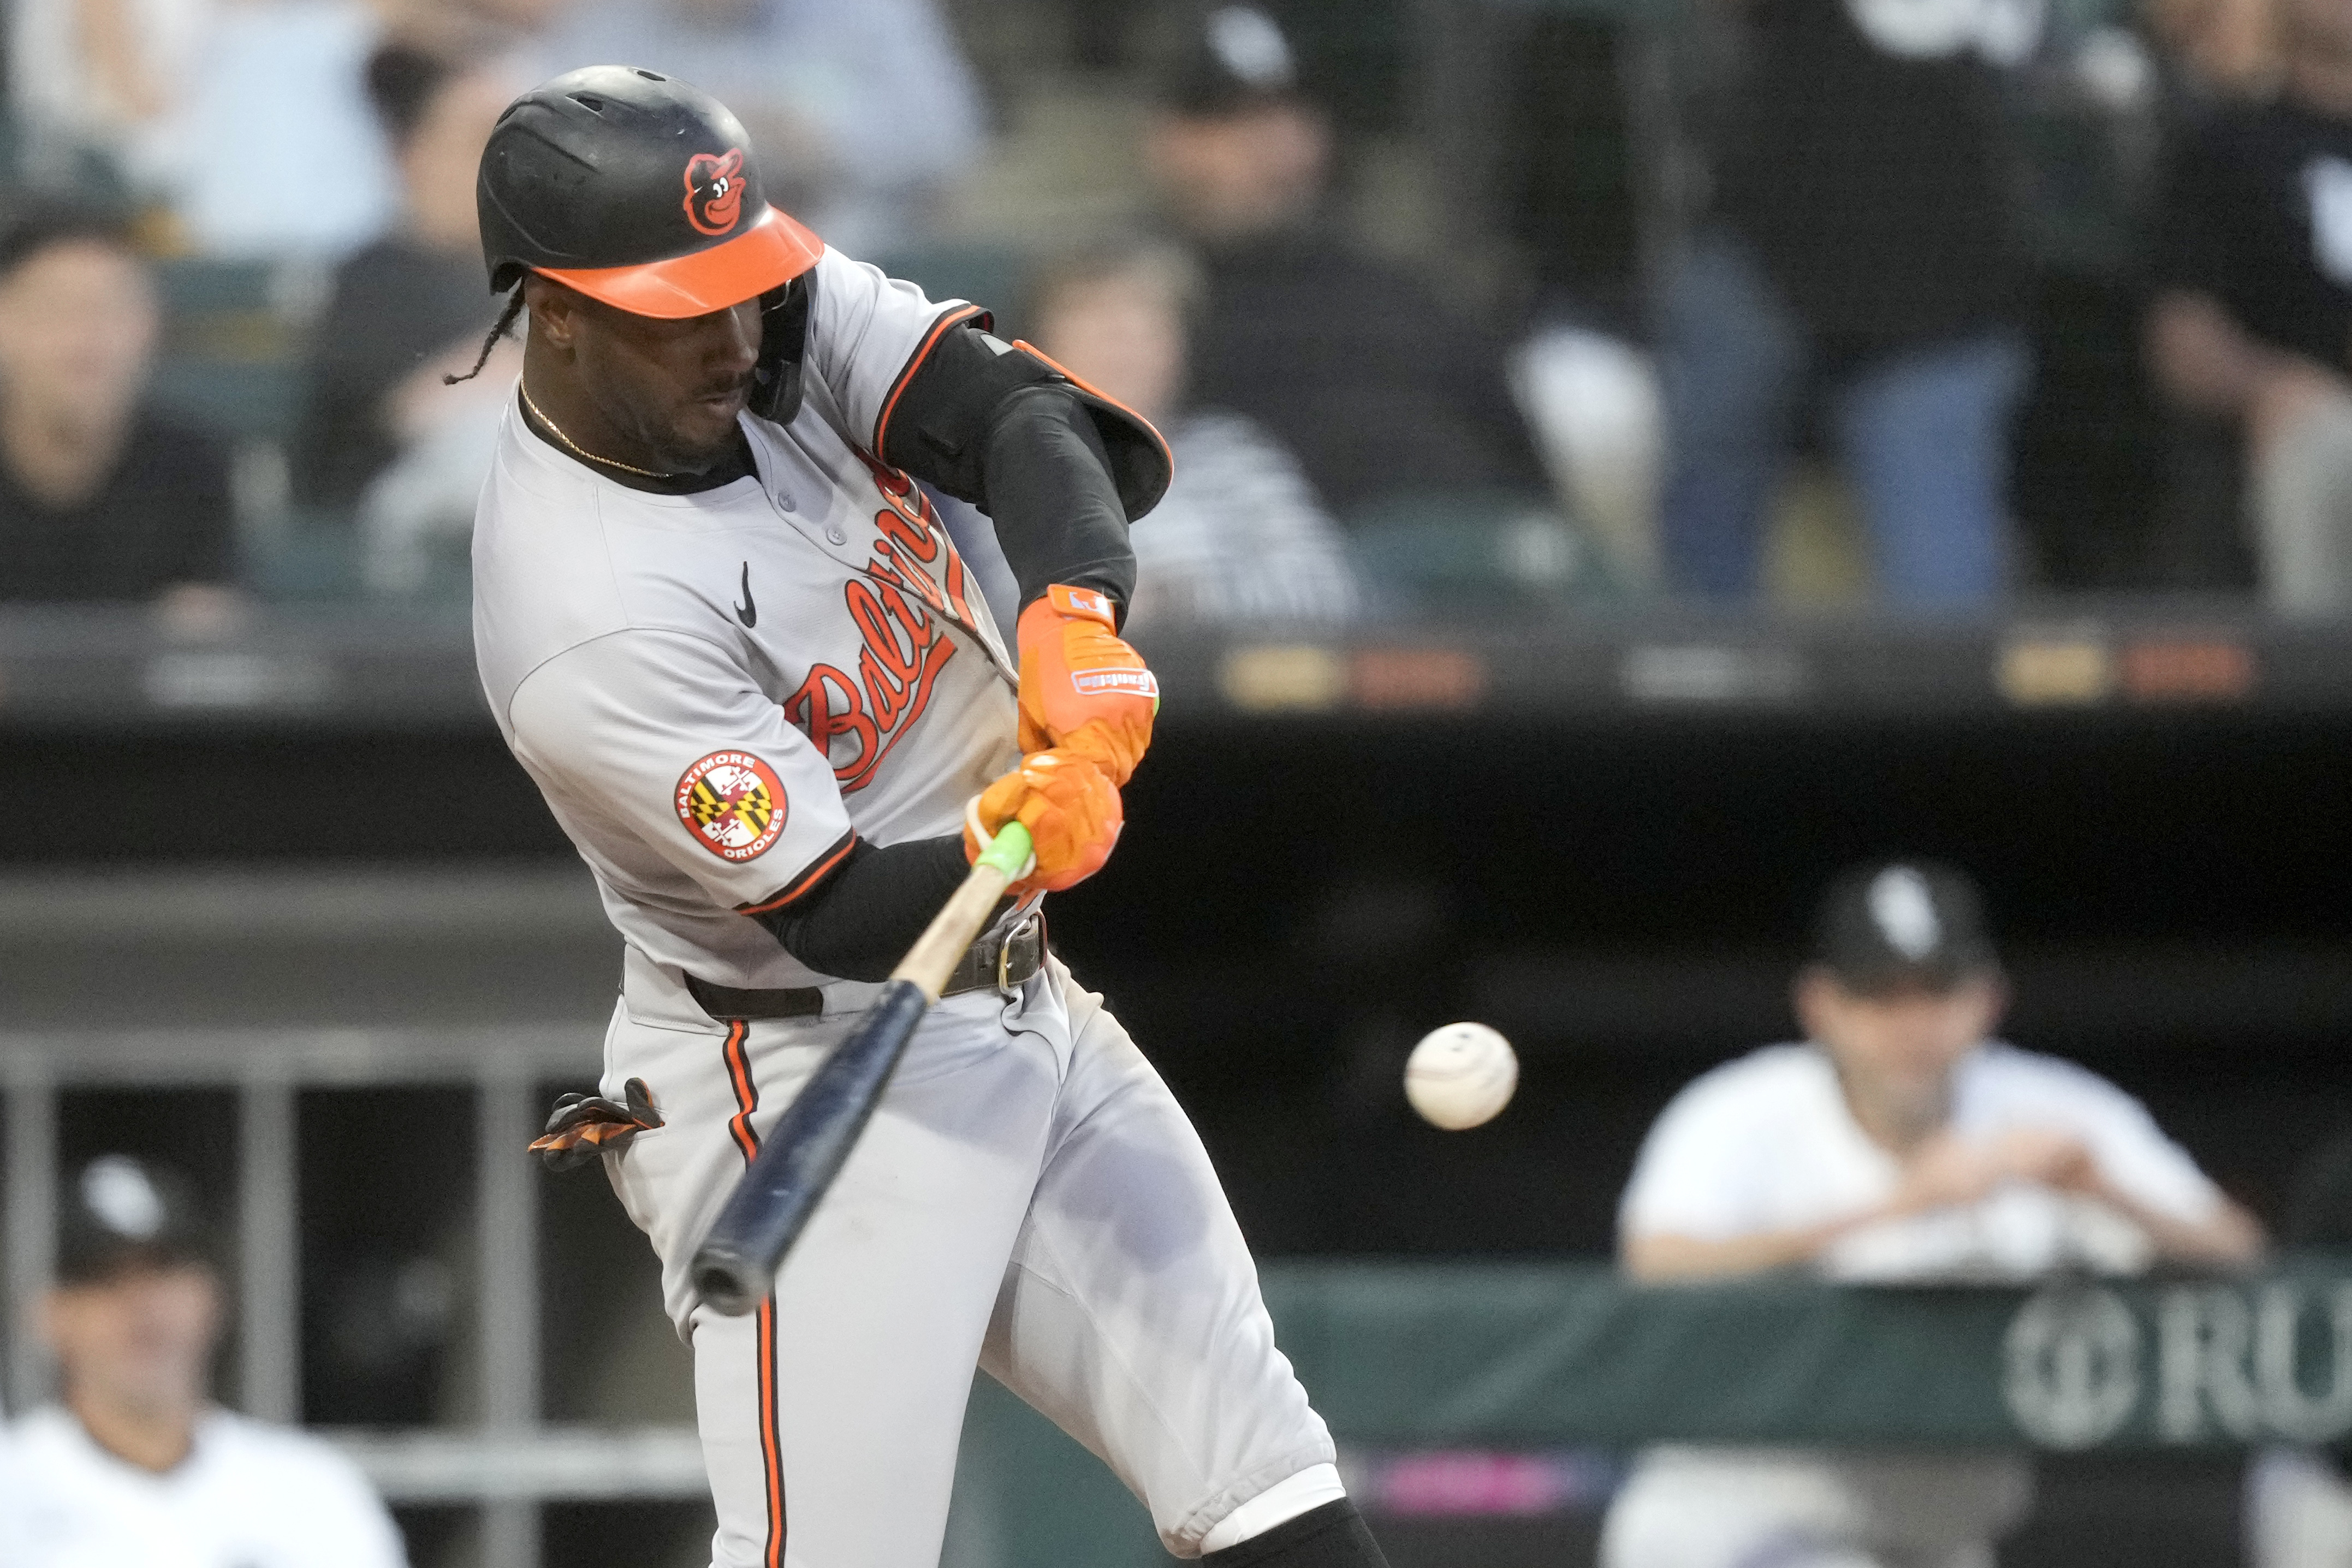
(1929, 303)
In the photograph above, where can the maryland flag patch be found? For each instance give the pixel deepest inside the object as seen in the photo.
(732, 804)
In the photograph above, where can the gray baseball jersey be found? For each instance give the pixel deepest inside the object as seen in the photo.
(715, 692)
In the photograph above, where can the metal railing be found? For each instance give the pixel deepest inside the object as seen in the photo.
(512, 1461)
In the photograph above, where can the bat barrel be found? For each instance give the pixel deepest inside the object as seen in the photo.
(735, 1267)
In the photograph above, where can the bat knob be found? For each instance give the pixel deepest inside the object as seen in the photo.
(730, 1283)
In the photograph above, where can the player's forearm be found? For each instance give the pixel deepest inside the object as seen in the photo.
(2228, 1237)
(860, 919)
(1663, 1257)
(2203, 359)
(1050, 493)
(997, 425)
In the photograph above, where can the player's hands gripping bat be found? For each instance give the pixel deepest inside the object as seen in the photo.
(1082, 689)
(735, 1268)
(1071, 810)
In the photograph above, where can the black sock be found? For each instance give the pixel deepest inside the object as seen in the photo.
(1331, 1536)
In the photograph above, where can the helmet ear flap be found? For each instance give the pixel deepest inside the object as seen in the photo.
(784, 337)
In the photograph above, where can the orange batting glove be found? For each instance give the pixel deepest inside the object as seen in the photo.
(1082, 689)
(1069, 807)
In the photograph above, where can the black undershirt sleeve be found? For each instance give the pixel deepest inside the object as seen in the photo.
(995, 426)
(1032, 458)
(1049, 492)
(859, 921)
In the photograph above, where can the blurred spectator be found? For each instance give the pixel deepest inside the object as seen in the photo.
(274, 154)
(1348, 360)
(2222, 47)
(378, 422)
(1859, 242)
(100, 499)
(106, 74)
(136, 1468)
(863, 110)
(1239, 535)
(1897, 1143)
(2252, 319)
(245, 117)
(1592, 401)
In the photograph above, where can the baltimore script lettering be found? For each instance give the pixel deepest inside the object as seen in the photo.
(896, 615)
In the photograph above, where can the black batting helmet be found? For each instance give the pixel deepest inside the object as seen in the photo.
(633, 188)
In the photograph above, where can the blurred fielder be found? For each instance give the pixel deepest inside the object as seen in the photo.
(135, 1467)
(1898, 1142)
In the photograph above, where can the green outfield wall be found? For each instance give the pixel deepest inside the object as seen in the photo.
(1489, 1355)
(1542, 1354)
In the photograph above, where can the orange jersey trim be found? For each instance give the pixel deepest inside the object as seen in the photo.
(806, 879)
(771, 1456)
(1091, 389)
(923, 353)
(747, 1093)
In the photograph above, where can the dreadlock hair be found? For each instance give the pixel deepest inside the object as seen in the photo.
(506, 320)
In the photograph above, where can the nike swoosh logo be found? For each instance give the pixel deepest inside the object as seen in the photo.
(747, 612)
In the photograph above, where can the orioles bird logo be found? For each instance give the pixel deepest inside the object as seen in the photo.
(714, 189)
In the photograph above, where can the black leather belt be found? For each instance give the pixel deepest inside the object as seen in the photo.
(997, 961)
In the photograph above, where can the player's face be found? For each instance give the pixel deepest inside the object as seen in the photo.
(1898, 1050)
(140, 1342)
(666, 392)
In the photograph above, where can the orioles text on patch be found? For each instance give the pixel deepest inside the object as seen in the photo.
(732, 804)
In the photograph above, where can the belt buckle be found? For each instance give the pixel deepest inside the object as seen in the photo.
(1004, 982)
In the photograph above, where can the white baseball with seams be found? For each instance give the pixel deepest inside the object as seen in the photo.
(1461, 1075)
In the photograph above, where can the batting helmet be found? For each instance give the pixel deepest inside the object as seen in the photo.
(637, 189)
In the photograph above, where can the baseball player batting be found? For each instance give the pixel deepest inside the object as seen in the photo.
(723, 630)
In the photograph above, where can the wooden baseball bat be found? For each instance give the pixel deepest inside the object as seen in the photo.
(735, 1267)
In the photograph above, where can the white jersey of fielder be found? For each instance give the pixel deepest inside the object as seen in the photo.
(716, 691)
(1766, 1143)
(247, 1495)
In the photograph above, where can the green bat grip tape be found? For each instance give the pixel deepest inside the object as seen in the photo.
(1008, 852)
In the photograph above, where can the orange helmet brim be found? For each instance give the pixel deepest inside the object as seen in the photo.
(769, 253)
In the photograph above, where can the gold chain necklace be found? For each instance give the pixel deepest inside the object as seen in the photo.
(578, 450)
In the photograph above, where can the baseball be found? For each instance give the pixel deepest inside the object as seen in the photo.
(1461, 1075)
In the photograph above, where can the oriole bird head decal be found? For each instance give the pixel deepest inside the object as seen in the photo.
(714, 189)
